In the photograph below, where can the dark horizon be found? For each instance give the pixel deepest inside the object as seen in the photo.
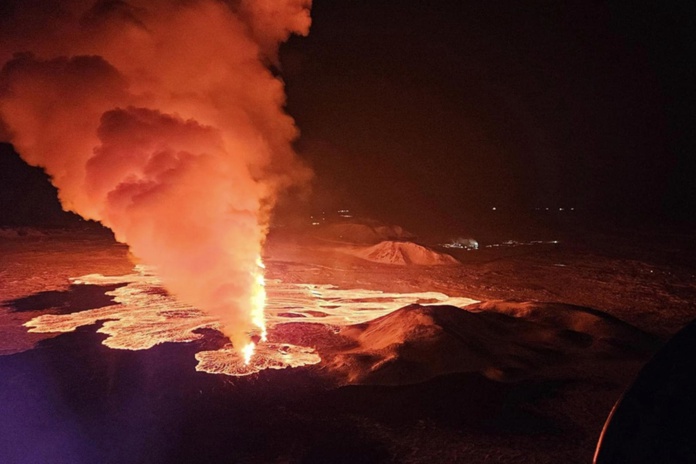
(438, 112)
(446, 109)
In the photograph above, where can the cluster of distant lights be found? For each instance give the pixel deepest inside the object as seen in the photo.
(471, 244)
(495, 208)
(319, 220)
(474, 245)
(345, 213)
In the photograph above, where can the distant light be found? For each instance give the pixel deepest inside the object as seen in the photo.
(547, 209)
(561, 209)
(315, 223)
(494, 208)
(572, 209)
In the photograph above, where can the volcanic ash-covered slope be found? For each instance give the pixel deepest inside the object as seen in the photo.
(505, 341)
(404, 253)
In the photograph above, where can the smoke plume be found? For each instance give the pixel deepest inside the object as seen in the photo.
(161, 120)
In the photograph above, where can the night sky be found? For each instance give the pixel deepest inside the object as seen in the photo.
(438, 111)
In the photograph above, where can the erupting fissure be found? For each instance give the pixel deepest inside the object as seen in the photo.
(143, 316)
(258, 304)
(162, 120)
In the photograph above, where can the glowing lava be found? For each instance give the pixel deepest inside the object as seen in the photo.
(144, 315)
(248, 352)
(268, 356)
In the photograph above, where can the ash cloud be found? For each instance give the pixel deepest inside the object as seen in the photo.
(161, 120)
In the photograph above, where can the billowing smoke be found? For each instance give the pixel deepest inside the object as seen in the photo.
(161, 120)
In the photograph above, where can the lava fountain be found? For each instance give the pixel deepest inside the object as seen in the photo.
(161, 120)
(258, 305)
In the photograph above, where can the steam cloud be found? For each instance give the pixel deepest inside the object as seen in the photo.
(161, 120)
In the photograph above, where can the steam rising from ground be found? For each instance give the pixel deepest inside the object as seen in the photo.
(161, 120)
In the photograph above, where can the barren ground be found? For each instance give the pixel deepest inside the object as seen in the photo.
(68, 398)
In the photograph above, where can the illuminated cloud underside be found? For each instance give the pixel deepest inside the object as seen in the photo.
(144, 315)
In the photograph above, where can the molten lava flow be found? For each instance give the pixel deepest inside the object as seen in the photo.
(269, 356)
(144, 315)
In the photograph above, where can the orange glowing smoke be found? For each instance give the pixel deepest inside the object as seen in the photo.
(161, 120)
